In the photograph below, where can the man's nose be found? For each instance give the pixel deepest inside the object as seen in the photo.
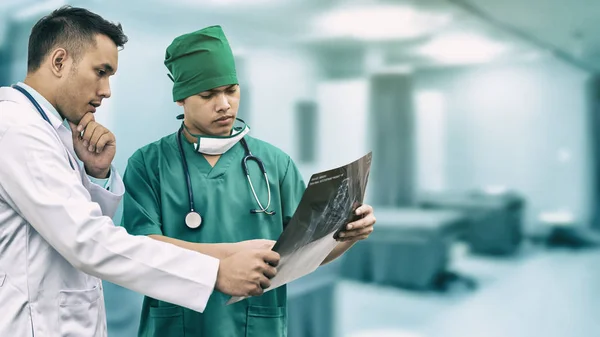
(223, 103)
(105, 90)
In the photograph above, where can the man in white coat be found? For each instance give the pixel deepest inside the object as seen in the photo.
(58, 193)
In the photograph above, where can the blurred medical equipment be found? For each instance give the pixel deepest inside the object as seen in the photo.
(560, 229)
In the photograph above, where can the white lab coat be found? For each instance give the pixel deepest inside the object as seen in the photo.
(57, 239)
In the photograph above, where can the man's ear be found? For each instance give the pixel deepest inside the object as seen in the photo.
(58, 60)
(180, 102)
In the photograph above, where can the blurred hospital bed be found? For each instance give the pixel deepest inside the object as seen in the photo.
(495, 220)
(410, 248)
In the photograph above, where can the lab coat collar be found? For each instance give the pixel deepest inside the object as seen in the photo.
(48, 108)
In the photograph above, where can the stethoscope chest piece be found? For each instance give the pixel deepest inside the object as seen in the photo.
(193, 220)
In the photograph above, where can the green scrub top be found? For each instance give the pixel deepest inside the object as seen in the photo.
(156, 202)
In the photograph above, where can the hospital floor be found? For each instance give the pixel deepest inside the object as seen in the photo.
(538, 292)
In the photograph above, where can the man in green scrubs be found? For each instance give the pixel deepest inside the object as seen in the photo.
(157, 198)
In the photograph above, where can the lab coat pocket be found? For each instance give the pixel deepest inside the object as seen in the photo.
(167, 321)
(79, 312)
(266, 322)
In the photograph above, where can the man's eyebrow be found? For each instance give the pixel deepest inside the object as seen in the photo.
(108, 68)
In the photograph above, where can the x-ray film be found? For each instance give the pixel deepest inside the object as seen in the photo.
(327, 206)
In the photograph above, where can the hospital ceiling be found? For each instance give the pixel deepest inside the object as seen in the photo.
(571, 26)
(565, 29)
(530, 29)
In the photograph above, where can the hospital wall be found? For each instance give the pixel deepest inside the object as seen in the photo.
(513, 125)
(521, 125)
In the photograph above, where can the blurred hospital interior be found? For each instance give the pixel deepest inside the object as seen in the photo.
(483, 117)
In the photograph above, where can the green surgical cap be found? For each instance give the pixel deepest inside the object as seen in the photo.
(200, 61)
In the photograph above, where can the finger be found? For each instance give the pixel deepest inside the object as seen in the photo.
(99, 132)
(356, 238)
(271, 257)
(362, 223)
(83, 123)
(269, 271)
(357, 232)
(106, 139)
(268, 244)
(89, 132)
(265, 282)
(256, 291)
(364, 210)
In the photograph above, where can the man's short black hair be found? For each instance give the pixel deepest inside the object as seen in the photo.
(71, 28)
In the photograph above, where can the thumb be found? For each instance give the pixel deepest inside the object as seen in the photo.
(268, 244)
(74, 130)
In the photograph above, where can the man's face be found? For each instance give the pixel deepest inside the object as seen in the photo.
(87, 81)
(212, 112)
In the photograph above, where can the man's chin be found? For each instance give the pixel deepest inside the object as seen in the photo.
(75, 120)
(223, 132)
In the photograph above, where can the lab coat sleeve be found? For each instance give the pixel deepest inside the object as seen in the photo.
(47, 193)
(108, 199)
(292, 188)
(141, 205)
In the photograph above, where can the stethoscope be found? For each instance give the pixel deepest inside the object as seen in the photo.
(193, 218)
(41, 111)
